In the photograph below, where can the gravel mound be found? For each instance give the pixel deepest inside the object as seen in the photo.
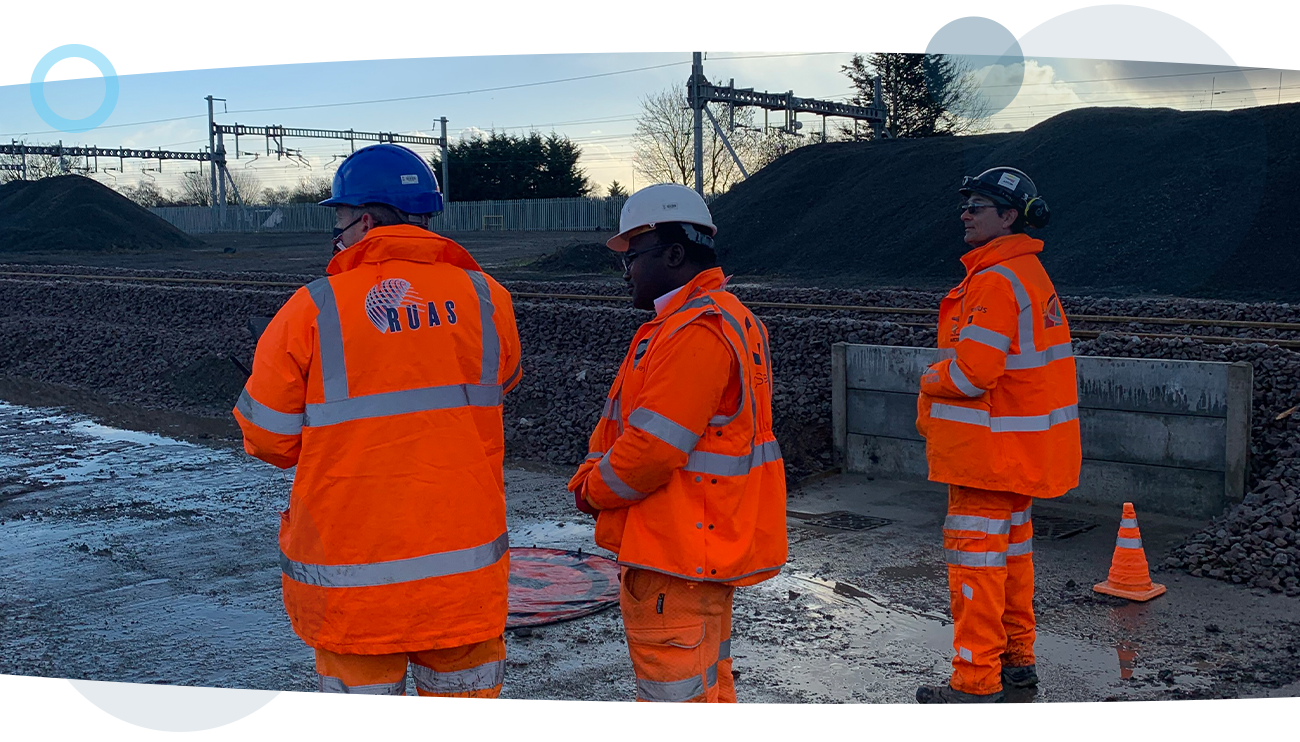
(586, 257)
(70, 213)
(1143, 201)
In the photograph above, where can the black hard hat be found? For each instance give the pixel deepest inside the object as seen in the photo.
(1011, 188)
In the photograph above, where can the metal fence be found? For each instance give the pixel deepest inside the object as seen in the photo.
(531, 215)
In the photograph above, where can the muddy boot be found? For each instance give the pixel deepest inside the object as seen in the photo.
(1019, 677)
(945, 694)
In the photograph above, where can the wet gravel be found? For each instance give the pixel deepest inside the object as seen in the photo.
(169, 347)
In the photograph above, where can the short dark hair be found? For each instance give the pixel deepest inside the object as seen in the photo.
(1018, 226)
(385, 215)
(698, 254)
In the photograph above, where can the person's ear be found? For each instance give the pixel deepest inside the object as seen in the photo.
(675, 256)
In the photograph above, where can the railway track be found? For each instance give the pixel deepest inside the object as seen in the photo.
(1076, 319)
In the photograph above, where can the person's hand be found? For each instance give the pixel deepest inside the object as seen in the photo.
(581, 503)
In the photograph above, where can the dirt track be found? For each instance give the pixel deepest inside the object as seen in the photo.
(305, 253)
(137, 558)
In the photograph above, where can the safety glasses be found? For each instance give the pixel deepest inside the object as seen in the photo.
(629, 256)
(974, 209)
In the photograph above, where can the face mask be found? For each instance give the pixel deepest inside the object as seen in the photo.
(338, 235)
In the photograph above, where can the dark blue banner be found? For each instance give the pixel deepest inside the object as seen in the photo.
(92, 707)
(1200, 33)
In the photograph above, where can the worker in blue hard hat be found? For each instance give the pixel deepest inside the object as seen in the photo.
(383, 384)
(380, 186)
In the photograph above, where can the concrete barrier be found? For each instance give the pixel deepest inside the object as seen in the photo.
(1170, 436)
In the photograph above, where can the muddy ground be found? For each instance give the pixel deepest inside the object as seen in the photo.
(499, 252)
(133, 557)
(140, 545)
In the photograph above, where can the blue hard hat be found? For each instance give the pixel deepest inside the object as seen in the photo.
(386, 174)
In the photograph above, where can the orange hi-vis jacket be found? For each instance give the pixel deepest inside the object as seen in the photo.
(383, 383)
(999, 410)
(683, 465)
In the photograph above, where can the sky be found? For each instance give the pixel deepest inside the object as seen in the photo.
(168, 110)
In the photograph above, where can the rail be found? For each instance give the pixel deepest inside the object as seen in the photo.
(896, 311)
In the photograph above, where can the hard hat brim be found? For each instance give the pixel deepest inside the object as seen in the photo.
(620, 242)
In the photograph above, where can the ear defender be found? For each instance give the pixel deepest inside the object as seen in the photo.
(1037, 215)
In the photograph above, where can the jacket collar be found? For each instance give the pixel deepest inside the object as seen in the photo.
(998, 250)
(704, 281)
(402, 242)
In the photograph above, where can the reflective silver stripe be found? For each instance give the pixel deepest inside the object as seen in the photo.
(593, 455)
(1025, 322)
(333, 366)
(400, 403)
(519, 372)
(976, 558)
(673, 691)
(266, 418)
(960, 381)
(1021, 548)
(955, 414)
(440, 564)
(483, 677)
(615, 484)
(711, 675)
(991, 526)
(965, 654)
(1128, 523)
(722, 465)
(985, 336)
(704, 301)
(1018, 288)
(724, 650)
(1021, 517)
(611, 411)
(1039, 358)
(328, 684)
(1128, 543)
(967, 591)
(663, 428)
(491, 342)
(1006, 423)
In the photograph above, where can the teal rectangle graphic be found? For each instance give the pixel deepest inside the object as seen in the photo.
(95, 707)
(1197, 33)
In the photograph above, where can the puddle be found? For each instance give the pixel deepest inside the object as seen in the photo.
(882, 651)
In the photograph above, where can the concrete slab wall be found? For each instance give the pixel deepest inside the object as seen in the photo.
(1170, 436)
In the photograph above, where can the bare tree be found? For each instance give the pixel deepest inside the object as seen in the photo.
(196, 188)
(309, 190)
(37, 166)
(147, 194)
(665, 150)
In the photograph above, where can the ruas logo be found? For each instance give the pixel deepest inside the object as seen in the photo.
(392, 305)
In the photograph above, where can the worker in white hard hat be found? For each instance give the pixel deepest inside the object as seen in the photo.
(683, 471)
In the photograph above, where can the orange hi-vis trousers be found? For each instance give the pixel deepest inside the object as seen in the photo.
(679, 637)
(470, 671)
(988, 539)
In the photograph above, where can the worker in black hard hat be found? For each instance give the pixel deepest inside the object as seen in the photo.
(999, 412)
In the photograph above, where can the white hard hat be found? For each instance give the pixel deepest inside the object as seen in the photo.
(659, 204)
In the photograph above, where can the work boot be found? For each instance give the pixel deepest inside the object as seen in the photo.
(1024, 676)
(945, 694)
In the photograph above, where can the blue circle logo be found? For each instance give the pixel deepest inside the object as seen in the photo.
(74, 51)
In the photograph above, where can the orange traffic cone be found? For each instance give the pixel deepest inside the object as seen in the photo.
(1129, 577)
